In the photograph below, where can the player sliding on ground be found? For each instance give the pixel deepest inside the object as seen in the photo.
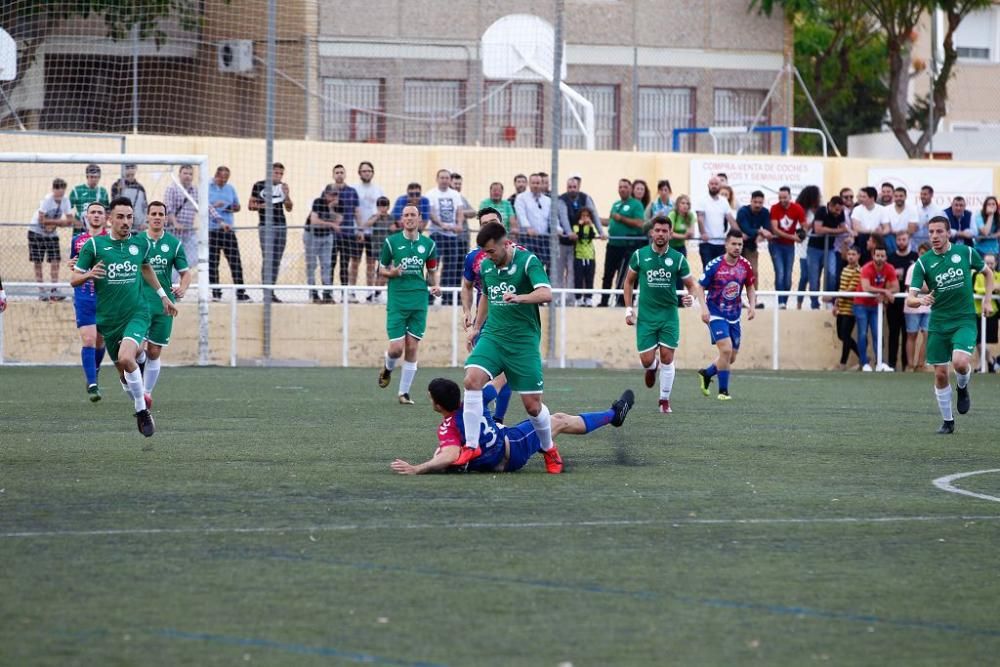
(514, 283)
(951, 337)
(724, 280)
(503, 448)
(403, 258)
(661, 270)
(115, 263)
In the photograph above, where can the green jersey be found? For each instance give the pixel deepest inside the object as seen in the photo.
(629, 208)
(120, 291)
(82, 196)
(660, 276)
(505, 208)
(165, 254)
(949, 275)
(513, 322)
(409, 290)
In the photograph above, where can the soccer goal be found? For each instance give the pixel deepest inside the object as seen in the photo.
(36, 232)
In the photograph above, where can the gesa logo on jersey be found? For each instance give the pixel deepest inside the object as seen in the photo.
(952, 275)
(121, 269)
(497, 291)
(158, 261)
(659, 275)
(412, 263)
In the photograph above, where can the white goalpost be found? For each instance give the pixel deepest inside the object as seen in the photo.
(19, 205)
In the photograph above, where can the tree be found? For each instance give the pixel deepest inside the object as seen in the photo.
(896, 22)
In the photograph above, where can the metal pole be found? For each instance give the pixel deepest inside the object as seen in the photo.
(454, 329)
(269, 275)
(933, 73)
(878, 336)
(204, 292)
(345, 330)
(135, 79)
(307, 88)
(557, 60)
(982, 341)
(233, 324)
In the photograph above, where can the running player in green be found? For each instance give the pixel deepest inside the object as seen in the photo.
(115, 263)
(951, 337)
(661, 270)
(165, 254)
(514, 284)
(404, 257)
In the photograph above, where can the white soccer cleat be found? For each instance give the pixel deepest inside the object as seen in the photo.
(867, 368)
(886, 368)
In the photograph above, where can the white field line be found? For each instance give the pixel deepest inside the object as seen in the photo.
(945, 484)
(611, 523)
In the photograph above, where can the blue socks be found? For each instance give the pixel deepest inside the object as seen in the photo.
(88, 356)
(503, 400)
(711, 371)
(595, 420)
(723, 381)
(98, 358)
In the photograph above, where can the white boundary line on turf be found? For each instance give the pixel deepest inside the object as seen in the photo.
(945, 484)
(674, 523)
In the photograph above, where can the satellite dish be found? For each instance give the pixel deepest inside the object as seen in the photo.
(8, 57)
(519, 47)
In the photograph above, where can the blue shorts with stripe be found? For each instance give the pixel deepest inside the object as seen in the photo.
(86, 310)
(720, 328)
(524, 444)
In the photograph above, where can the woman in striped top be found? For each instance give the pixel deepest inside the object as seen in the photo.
(850, 279)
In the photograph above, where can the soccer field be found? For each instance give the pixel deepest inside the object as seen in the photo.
(261, 524)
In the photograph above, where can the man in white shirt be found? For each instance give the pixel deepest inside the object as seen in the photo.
(926, 211)
(869, 221)
(43, 238)
(714, 218)
(448, 231)
(368, 194)
(533, 208)
(902, 217)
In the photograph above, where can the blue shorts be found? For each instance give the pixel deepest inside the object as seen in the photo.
(720, 329)
(524, 444)
(480, 334)
(86, 311)
(916, 322)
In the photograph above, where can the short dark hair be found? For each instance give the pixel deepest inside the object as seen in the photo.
(156, 202)
(96, 203)
(341, 166)
(885, 183)
(928, 188)
(835, 200)
(660, 183)
(756, 193)
(660, 219)
(785, 188)
(722, 174)
(734, 233)
(382, 201)
(58, 184)
(486, 210)
(445, 393)
(496, 183)
(185, 166)
(958, 198)
(870, 191)
(415, 185)
(900, 189)
(624, 180)
(941, 219)
(520, 176)
(877, 244)
(543, 174)
(92, 169)
(278, 165)
(363, 163)
(120, 201)
(853, 248)
(843, 190)
(491, 231)
(455, 174)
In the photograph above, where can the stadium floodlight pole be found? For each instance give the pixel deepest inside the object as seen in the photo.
(557, 60)
(268, 171)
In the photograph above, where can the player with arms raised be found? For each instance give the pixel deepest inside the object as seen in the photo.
(724, 280)
(404, 257)
(503, 449)
(166, 254)
(472, 290)
(947, 271)
(661, 271)
(115, 263)
(514, 284)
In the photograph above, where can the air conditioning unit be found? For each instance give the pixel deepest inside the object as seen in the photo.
(235, 56)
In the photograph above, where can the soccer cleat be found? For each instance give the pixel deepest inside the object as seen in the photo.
(964, 401)
(467, 454)
(144, 421)
(947, 427)
(665, 406)
(724, 396)
(622, 407)
(706, 381)
(650, 377)
(404, 399)
(148, 398)
(553, 462)
(94, 392)
(384, 377)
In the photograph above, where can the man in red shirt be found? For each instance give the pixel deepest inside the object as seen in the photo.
(879, 278)
(788, 221)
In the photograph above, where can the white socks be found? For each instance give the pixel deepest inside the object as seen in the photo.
(152, 374)
(666, 380)
(409, 372)
(390, 362)
(653, 365)
(543, 428)
(141, 357)
(472, 414)
(944, 401)
(963, 380)
(135, 390)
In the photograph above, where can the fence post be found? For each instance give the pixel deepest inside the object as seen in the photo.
(562, 330)
(878, 335)
(345, 329)
(982, 341)
(454, 329)
(232, 327)
(775, 336)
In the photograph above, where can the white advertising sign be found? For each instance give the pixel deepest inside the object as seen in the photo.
(748, 174)
(973, 183)
(8, 57)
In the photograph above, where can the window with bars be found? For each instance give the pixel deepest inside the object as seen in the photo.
(605, 101)
(736, 107)
(352, 110)
(976, 35)
(661, 110)
(433, 110)
(512, 114)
